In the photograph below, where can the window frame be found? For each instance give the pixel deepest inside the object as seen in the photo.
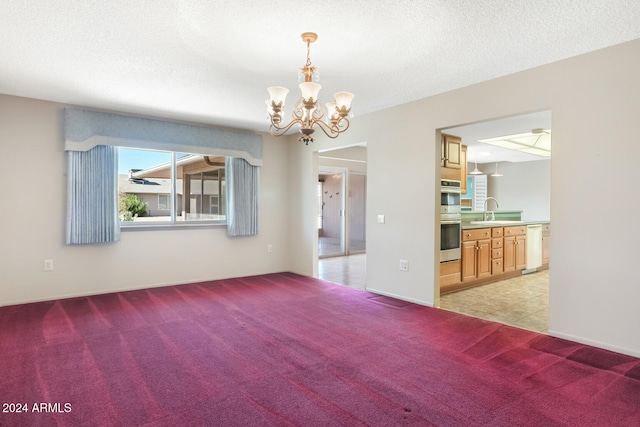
(167, 204)
(173, 222)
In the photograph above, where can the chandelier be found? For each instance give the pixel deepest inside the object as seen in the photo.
(307, 111)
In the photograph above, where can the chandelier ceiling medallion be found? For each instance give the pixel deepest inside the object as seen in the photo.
(307, 111)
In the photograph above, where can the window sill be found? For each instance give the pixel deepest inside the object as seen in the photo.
(170, 226)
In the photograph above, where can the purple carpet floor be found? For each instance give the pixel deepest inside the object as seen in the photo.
(287, 350)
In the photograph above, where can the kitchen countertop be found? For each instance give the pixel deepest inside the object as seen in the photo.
(498, 211)
(466, 225)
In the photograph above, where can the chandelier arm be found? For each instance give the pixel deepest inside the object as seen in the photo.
(331, 131)
(318, 112)
(338, 127)
(343, 124)
(279, 131)
(298, 112)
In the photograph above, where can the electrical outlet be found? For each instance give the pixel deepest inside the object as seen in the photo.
(404, 265)
(48, 265)
(380, 219)
(269, 248)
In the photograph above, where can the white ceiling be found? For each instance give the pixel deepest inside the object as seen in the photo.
(211, 61)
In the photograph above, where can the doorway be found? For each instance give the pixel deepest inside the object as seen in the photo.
(523, 185)
(341, 198)
(341, 212)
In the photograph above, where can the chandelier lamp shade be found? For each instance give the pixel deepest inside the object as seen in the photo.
(307, 112)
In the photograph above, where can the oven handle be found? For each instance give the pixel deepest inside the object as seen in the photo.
(451, 190)
(451, 222)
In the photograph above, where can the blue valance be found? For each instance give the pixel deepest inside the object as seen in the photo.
(84, 130)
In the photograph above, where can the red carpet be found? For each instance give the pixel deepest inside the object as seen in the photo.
(283, 349)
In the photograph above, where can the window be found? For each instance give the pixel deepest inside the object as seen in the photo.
(163, 202)
(160, 187)
(105, 194)
(205, 190)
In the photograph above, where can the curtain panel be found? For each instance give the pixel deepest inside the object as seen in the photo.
(92, 196)
(242, 197)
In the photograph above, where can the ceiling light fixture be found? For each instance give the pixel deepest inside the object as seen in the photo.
(496, 173)
(476, 171)
(537, 142)
(307, 111)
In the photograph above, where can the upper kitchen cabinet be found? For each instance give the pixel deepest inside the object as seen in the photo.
(451, 152)
(451, 160)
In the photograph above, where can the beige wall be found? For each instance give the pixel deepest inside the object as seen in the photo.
(32, 229)
(595, 101)
(524, 186)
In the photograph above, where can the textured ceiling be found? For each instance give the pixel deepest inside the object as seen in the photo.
(211, 61)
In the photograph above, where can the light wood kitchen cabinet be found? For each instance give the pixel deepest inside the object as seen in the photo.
(515, 248)
(497, 251)
(476, 254)
(451, 160)
(546, 237)
(449, 274)
(490, 254)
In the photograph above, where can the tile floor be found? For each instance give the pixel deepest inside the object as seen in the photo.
(522, 301)
(330, 246)
(345, 270)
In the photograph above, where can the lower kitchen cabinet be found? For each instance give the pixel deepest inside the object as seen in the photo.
(497, 251)
(487, 255)
(476, 254)
(546, 237)
(449, 274)
(515, 248)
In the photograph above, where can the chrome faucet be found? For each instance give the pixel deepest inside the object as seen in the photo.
(485, 207)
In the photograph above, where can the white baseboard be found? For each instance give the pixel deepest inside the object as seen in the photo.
(594, 343)
(389, 294)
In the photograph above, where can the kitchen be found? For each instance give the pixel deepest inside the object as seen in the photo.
(506, 190)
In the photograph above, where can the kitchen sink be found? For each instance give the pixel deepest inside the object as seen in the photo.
(496, 222)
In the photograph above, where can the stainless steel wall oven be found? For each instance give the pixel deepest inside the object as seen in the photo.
(450, 220)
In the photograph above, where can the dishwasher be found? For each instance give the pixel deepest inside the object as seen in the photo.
(534, 248)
